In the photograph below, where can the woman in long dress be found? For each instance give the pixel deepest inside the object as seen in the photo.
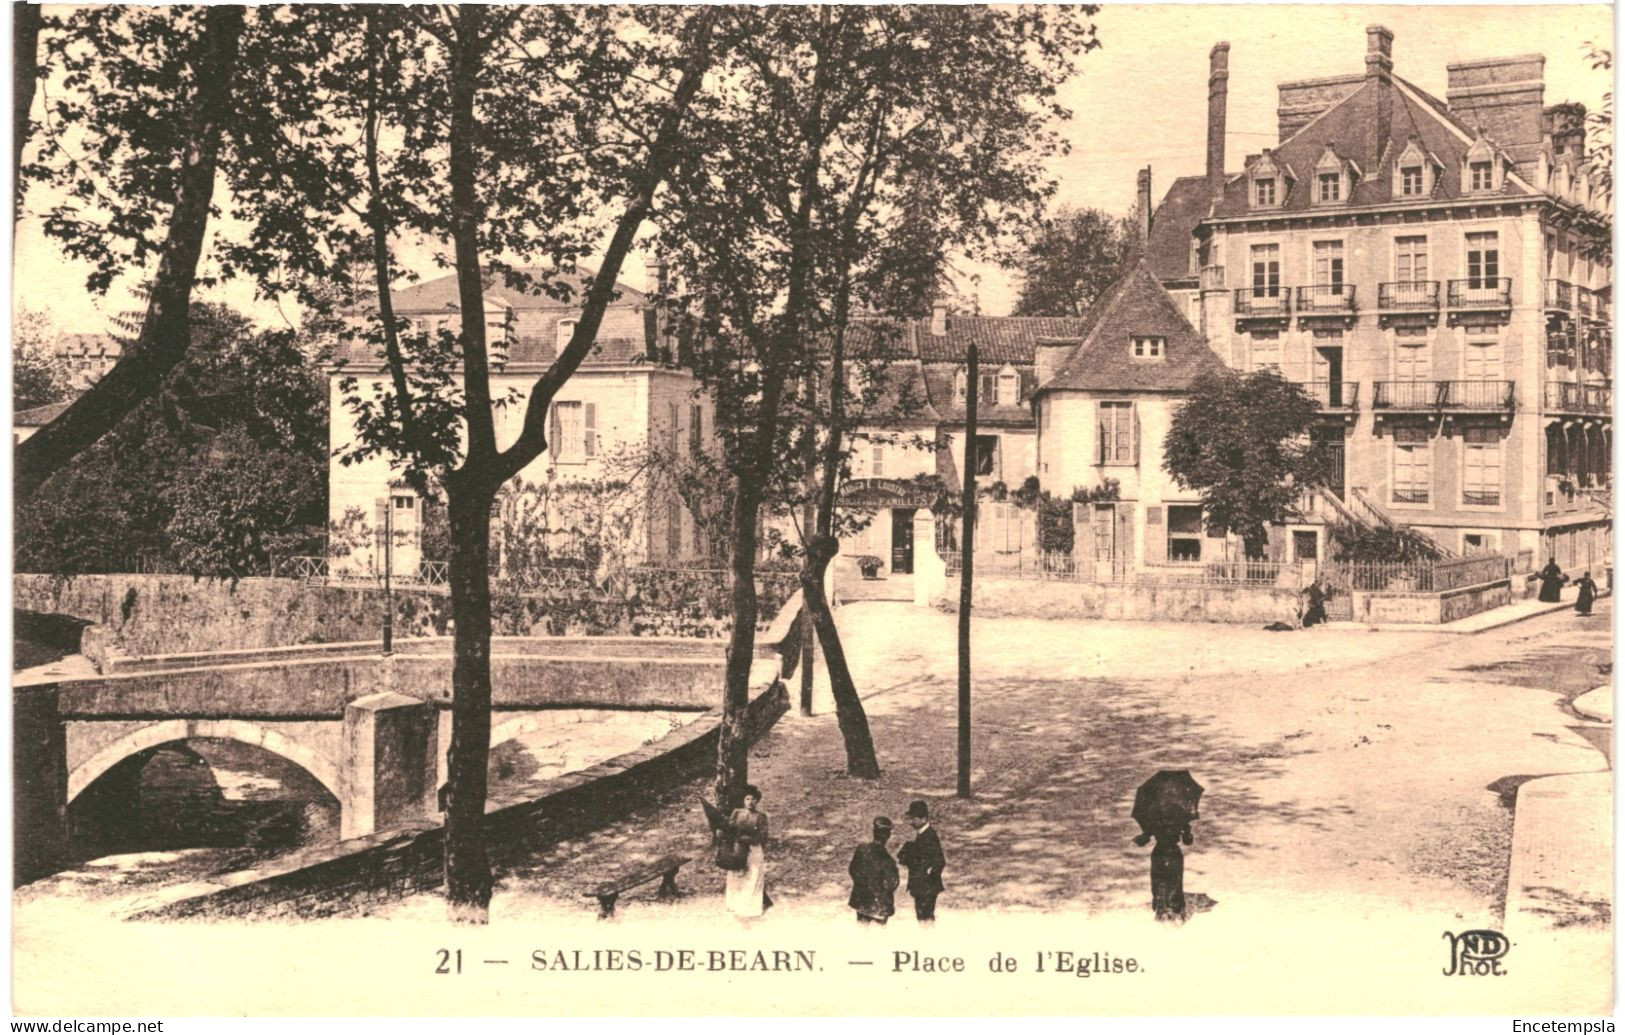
(1588, 594)
(1551, 582)
(746, 890)
(1167, 870)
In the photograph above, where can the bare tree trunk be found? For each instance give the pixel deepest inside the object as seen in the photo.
(166, 330)
(25, 26)
(467, 861)
(849, 714)
(733, 745)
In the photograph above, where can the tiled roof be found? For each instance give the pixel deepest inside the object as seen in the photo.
(1350, 127)
(39, 416)
(79, 344)
(1168, 251)
(1136, 305)
(939, 379)
(999, 339)
(440, 294)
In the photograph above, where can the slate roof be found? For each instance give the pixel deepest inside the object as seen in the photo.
(1168, 250)
(999, 339)
(1136, 304)
(1350, 126)
(439, 294)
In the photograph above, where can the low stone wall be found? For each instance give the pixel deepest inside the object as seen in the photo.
(1133, 601)
(169, 614)
(1389, 608)
(352, 876)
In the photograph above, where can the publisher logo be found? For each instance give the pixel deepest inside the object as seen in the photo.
(1477, 953)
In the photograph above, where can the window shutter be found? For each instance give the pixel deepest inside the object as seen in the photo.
(1083, 537)
(1156, 535)
(1101, 433)
(1125, 536)
(1135, 410)
(554, 447)
(589, 437)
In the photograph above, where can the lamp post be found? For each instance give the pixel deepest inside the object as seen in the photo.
(387, 522)
(967, 536)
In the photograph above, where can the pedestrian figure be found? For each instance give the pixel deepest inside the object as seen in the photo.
(1167, 870)
(746, 890)
(1588, 594)
(1552, 580)
(1315, 613)
(924, 859)
(874, 877)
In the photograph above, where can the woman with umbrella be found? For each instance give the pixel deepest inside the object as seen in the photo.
(1551, 582)
(1164, 806)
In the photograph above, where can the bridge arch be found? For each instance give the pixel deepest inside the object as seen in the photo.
(323, 769)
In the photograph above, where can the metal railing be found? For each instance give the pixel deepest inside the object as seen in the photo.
(1560, 296)
(1333, 395)
(1253, 302)
(1408, 295)
(1335, 299)
(1481, 293)
(1065, 567)
(1439, 395)
(1599, 399)
(1564, 397)
(1422, 576)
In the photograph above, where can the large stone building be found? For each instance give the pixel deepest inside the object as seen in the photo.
(628, 402)
(1429, 270)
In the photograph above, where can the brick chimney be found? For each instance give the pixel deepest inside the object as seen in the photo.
(1505, 98)
(1564, 125)
(1218, 90)
(939, 318)
(1379, 67)
(1143, 188)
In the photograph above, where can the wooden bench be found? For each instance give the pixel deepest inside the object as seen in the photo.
(665, 868)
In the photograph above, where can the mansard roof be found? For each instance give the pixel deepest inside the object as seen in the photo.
(1168, 251)
(1136, 305)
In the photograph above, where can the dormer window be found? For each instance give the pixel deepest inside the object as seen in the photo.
(1264, 192)
(1480, 175)
(1410, 181)
(1414, 172)
(1482, 168)
(1330, 186)
(567, 330)
(1147, 348)
(1009, 386)
(1334, 177)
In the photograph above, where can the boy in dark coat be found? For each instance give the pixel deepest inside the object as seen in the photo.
(924, 859)
(874, 877)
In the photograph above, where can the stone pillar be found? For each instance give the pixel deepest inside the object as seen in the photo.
(930, 571)
(390, 743)
(39, 754)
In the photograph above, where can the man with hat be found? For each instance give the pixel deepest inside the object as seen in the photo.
(924, 859)
(874, 877)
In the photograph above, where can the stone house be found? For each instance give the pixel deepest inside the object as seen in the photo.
(1427, 269)
(628, 403)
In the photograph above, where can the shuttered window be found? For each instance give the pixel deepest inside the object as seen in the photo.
(567, 433)
(1118, 434)
(1413, 466)
(1481, 468)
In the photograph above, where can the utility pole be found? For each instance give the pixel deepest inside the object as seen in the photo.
(967, 541)
(387, 505)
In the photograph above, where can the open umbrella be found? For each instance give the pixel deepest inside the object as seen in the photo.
(1167, 800)
(714, 816)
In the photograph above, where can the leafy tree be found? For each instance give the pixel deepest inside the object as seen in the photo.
(38, 376)
(1072, 258)
(839, 120)
(240, 505)
(1242, 441)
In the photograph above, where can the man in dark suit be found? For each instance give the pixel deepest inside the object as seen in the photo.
(874, 877)
(924, 859)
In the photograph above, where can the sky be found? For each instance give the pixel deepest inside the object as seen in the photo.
(1140, 99)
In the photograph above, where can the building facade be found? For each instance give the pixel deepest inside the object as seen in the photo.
(1430, 271)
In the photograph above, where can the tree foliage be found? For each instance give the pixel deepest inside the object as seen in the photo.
(1242, 441)
(38, 375)
(1071, 259)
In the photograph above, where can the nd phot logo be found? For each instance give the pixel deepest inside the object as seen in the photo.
(1477, 953)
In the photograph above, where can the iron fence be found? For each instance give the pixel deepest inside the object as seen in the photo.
(1066, 567)
(1424, 576)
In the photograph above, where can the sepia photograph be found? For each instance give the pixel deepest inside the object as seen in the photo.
(793, 511)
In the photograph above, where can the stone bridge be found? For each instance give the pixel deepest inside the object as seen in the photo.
(370, 728)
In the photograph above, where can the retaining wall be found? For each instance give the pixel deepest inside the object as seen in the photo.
(1390, 608)
(1142, 602)
(353, 876)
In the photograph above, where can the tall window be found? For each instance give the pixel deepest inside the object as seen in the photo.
(1480, 176)
(1410, 259)
(1483, 260)
(987, 390)
(1266, 349)
(1328, 267)
(1331, 186)
(1413, 465)
(1266, 270)
(569, 438)
(694, 435)
(674, 529)
(1483, 360)
(1411, 360)
(1264, 191)
(674, 426)
(1481, 468)
(1184, 533)
(877, 462)
(1009, 387)
(567, 330)
(987, 455)
(1117, 433)
(1410, 181)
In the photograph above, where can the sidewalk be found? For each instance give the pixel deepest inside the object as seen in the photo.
(1560, 886)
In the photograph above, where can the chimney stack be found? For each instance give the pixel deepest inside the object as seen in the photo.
(939, 318)
(1143, 185)
(1379, 66)
(1218, 88)
(654, 275)
(1379, 51)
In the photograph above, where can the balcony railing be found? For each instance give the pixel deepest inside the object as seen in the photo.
(1326, 299)
(1481, 293)
(1602, 305)
(1253, 302)
(1408, 296)
(1333, 395)
(1481, 497)
(1560, 296)
(1442, 395)
(1599, 399)
(1564, 397)
(1562, 348)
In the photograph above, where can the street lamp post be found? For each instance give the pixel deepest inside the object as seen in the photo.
(967, 535)
(387, 505)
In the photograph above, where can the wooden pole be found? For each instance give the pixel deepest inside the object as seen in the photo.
(967, 540)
